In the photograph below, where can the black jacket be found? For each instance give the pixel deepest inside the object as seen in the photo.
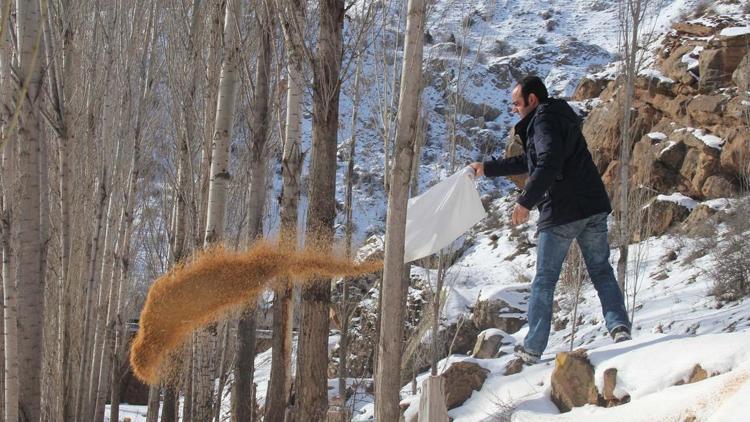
(563, 180)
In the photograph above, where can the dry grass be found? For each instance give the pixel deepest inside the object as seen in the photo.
(213, 284)
(731, 271)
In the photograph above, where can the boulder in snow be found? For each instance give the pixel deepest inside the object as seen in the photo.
(498, 314)
(461, 380)
(488, 343)
(665, 213)
(608, 397)
(698, 374)
(573, 381)
(513, 367)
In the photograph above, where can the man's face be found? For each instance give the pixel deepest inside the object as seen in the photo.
(520, 106)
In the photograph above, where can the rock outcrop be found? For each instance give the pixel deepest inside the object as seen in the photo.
(720, 59)
(690, 115)
(741, 75)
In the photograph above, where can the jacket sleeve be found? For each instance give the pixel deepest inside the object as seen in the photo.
(506, 166)
(548, 141)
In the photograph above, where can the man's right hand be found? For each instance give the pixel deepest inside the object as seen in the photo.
(478, 168)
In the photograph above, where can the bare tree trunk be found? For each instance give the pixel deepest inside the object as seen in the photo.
(10, 303)
(421, 137)
(105, 279)
(85, 364)
(187, 404)
(388, 377)
(345, 306)
(7, 161)
(219, 182)
(291, 163)
(29, 278)
(632, 13)
(223, 365)
(101, 305)
(106, 272)
(216, 12)
(60, 91)
(312, 358)
(169, 406)
(243, 401)
(223, 125)
(10, 328)
(110, 370)
(280, 382)
(183, 188)
(436, 314)
(152, 414)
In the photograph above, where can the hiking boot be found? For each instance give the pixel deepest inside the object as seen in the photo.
(620, 334)
(526, 356)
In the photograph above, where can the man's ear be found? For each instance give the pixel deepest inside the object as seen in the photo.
(533, 99)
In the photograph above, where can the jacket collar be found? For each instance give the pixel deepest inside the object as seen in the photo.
(521, 128)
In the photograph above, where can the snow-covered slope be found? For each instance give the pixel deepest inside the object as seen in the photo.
(677, 324)
(476, 53)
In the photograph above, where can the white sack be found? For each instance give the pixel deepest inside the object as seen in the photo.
(439, 216)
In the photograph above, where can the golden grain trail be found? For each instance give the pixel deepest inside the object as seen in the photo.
(214, 283)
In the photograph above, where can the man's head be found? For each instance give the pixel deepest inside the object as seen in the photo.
(528, 94)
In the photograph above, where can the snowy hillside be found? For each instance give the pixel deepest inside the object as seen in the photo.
(475, 53)
(677, 325)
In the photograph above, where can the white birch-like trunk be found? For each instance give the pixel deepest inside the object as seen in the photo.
(218, 185)
(388, 373)
(10, 301)
(7, 161)
(10, 330)
(432, 402)
(223, 125)
(217, 11)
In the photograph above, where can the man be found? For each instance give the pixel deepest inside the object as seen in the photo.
(573, 204)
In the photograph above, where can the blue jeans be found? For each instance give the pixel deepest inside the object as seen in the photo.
(552, 247)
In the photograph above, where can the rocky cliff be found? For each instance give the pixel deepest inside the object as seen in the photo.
(691, 114)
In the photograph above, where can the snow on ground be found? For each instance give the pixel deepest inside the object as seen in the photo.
(679, 199)
(657, 136)
(135, 413)
(677, 324)
(655, 74)
(735, 31)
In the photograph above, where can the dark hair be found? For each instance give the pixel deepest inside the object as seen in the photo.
(533, 85)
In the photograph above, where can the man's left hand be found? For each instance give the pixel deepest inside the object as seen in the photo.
(520, 215)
